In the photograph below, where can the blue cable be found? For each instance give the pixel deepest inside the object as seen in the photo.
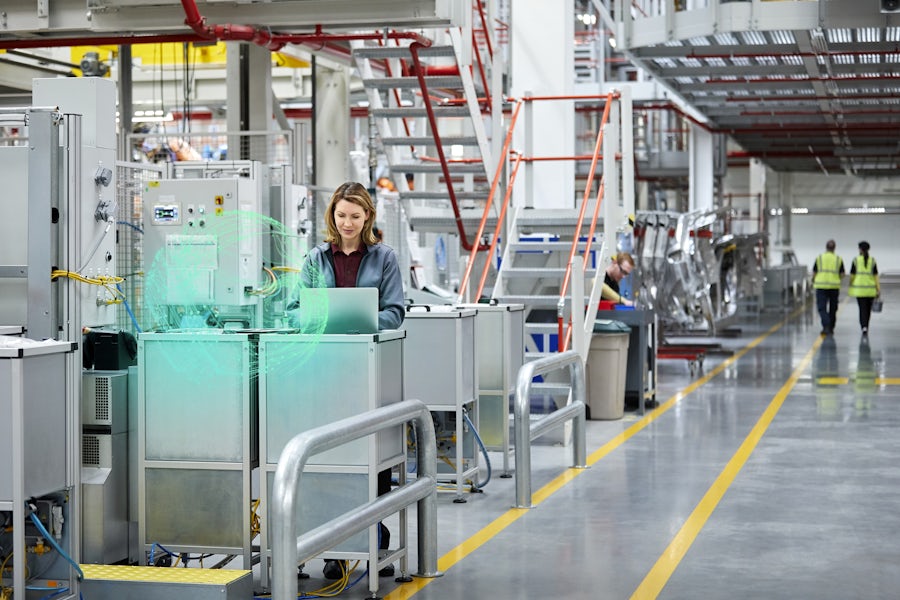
(483, 451)
(161, 547)
(49, 538)
(48, 596)
(132, 225)
(128, 310)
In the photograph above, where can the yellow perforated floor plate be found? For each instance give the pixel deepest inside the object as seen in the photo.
(162, 575)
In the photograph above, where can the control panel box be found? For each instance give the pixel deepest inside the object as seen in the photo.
(203, 239)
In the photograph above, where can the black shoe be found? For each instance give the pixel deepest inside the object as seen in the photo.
(334, 569)
(388, 571)
(865, 331)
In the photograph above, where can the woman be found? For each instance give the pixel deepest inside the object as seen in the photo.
(864, 284)
(352, 256)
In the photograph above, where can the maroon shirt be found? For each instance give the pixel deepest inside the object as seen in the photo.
(346, 266)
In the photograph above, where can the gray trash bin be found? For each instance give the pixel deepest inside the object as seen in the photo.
(607, 365)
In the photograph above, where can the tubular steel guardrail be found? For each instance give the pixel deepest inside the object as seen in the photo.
(526, 431)
(288, 550)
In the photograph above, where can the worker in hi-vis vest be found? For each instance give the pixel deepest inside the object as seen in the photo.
(864, 284)
(827, 272)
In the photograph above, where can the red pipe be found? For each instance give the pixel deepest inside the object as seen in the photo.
(274, 42)
(435, 70)
(445, 169)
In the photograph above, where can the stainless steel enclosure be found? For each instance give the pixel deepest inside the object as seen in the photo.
(500, 344)
(36, 444)
(441, 370)
(197, 441)
(307, 381)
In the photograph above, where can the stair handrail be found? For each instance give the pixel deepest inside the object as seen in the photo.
(504, 152)
(564, 288)
(496, 237)
(487, 37)
(597, 282)
(445, 169)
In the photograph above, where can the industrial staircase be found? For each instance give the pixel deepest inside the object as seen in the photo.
(430, 105)
(430, 114)
(533, 268)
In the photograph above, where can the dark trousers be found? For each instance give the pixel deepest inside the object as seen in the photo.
(384, 486)
(865, 311)
(827, 303)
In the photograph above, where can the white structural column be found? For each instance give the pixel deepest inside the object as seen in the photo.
(249, 98)
(757, 193)
(786, 202)
(332, 145)
(701, 169)
(542, 63)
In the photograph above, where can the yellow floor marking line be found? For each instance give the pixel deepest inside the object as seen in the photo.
(451, 558)
(659, 575)
(846, 380)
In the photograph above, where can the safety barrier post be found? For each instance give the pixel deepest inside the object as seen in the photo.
(288, 550)
(526, 432)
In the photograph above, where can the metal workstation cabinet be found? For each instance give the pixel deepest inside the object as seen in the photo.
(500, 340)
(441, 370)
(37, 449)
(306, 381)
(197, 442)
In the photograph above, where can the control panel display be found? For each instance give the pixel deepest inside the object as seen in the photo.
(166, 214)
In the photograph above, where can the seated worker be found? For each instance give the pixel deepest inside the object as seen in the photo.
(352, 256)
(621, 266)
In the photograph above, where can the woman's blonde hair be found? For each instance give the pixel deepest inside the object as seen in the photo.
(354, 192)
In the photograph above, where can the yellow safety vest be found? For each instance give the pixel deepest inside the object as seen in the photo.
(863, 284)
(828, 272)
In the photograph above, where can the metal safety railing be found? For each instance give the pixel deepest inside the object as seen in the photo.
(288, 550)
(526, 431)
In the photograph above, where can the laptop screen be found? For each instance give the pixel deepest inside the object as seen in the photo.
(344, 310)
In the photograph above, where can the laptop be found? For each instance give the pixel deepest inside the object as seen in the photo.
(343, 310)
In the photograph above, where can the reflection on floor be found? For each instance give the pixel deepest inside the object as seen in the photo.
(771, 474)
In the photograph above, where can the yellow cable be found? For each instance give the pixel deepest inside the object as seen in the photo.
(254, 519)
(3, 565)
(107, 282)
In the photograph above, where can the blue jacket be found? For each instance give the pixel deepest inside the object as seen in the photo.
(379, 269)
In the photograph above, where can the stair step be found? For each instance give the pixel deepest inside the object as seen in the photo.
(542, 327)
(412, 83)
(460, 140)
(465, 167)
(442, 220)
(538, 272)
(548, 246)
(416, 112)
(415, 195)
(536, 217)
(402, 51)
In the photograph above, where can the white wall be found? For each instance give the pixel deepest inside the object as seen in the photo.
(809, 233)
(541, 60)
